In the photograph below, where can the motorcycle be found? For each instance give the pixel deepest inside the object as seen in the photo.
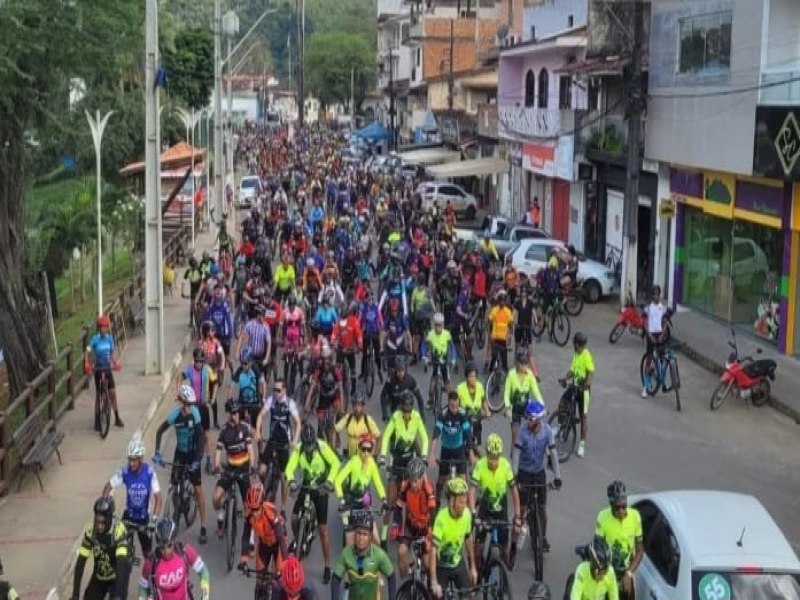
(634, 319)
(744, 377)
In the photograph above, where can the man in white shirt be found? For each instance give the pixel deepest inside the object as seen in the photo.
(655, 313)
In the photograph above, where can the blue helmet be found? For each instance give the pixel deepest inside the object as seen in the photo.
(213, 270)
(245, 355)
(535, 410)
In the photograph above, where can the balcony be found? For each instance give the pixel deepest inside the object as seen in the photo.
(783, 94)
(415, 32)
(605, 137)
(525, 122)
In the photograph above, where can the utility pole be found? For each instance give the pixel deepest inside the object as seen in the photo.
(301, 26)
(635, 104)
(219, 159)
(393, 141)
(450, 74)
(352, 99)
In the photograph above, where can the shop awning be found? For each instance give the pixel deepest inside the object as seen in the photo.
(430, 156)
(466, 168)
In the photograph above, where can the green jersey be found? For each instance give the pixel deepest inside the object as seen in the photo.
(363, 572)
(449, 535)
(493, 485)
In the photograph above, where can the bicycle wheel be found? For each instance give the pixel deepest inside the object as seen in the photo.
(721, 393)
(172, 506)
(676, 382)
(616, 332)
(537, 542)
(300, 548)
(539, 322)
(494, 386)
(105, 412)
(496, 575)
(650, 377)
(560, 328)
(566, 434)
(269, 483)
(189, 504)
(573, 303)
(437, 395)
(229, 537)
(369, 376)
(480, 334)
(412, 590)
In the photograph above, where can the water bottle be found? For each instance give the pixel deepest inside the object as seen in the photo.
(523, 534)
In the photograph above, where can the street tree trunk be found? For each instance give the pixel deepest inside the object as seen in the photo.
(22, 306)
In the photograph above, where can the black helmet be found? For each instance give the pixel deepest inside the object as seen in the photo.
(579, 339)
(104, 505)
(362, 520)
(522, 356)
(407, 400)
(232, 406)
(206, 327)
(165, 532)
(598, 553)
(308, 437)
(616, 492)
(470, 368)
(539, 591)
(399, 363)
(198, 354)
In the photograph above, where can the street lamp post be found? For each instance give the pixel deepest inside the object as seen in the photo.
(98, 126)
(230, 27)
(190, 120)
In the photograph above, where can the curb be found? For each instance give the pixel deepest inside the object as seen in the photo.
(717, 368)
(64, 585)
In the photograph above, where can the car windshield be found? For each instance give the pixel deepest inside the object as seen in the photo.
(249, 183)
(709, 585)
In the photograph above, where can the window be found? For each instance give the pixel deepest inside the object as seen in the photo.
(565, 92)
(543, 85)
(404, 31)
(419, 56)
(570, 21)
(533, 32)
(537, 252)
(661, 547)
(593, 94)
(530, 88)
(705, 43)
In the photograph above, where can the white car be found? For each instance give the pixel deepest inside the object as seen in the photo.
(706, 257)
(531, 255)
(711, 545)
(249, 188)
(441, 192)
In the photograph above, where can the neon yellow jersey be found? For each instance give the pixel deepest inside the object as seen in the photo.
(620, 535)
(489, 249)
(439, 343)
(586, 587)
(105, 555)
(324, 464)
(449, 535)
(404, 435)
(284, 277)
(358, 477)
(519, 389)
(355, 428)
(471, 402)
(493, 485)
(582, 364)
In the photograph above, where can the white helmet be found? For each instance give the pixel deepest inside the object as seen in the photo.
(186, 394)
(327, 352)
(136, 448)
(438, 319)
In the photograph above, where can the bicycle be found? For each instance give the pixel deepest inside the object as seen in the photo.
(415, 587)
(495, 382)
(533, 519)
(264, 578)
(565, 420)
(555, 321)
(131, 529)
(660, 369)
(369, 369)
(436, 385)
(307, 521)
(478, 325)
(105, 403)
(614, 261)
(232, 511)
(182, 501)
(493, 570)
(272, 477)
(451, 466)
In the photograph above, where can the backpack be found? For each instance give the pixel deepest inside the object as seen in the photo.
(248, 388)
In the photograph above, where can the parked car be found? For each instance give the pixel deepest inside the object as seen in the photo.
(704, 545)
(505, 235)
(249, 188)
(440, 192)
(706, 258)
(531, 255)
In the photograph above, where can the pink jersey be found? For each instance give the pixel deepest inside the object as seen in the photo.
(171, 577)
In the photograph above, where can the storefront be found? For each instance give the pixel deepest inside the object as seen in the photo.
(733, 249)
(549, 171)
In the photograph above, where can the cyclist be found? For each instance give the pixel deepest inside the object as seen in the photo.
(219, 313)
(520, 386)
(440, 344)
(549, 282)
(269, 529)
(194, 275)
(283, 278)
(284, 431)
(236, 441)
(453, 432)
(536, 443)
(293, 328)
(582, 370)
(371, 322)
(472, 399)
(396, 385)
(256, 337)
(452, 532)
(188, 447)
(328, 381)
(363, 563)
(167, 569)
(493, 478)
(357, 423)
(500, 318)
(348, 339)
(422, 308)
(292, 584)
(105, 539)
(250, 386)
(106, 357)
(415, 508)
(326, 316)
(354, 479)
(593, 578)
(141, 484)
(200, 376)
(216, 359)
(319, 465)
(621, 527)
(488, 249)
(405, 437)
(655, 311)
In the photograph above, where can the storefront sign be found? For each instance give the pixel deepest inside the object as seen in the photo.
(539, 158)
(762, 199)
(777, 142)
(666, 208)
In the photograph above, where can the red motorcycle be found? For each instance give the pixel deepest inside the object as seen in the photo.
(632, 318)
(744, 377)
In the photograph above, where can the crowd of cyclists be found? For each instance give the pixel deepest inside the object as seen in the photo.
(333, 261)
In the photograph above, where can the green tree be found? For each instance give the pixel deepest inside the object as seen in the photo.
(329, 60)
(190, 67)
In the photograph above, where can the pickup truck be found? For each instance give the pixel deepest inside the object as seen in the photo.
(506, 234)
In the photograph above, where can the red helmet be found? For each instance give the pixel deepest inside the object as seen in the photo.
(394, 304)
(102, 321)
(255, 496)
(292, 577)
(365, 438)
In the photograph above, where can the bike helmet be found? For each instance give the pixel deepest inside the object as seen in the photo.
(327, 352)
(360, 399)
(494, 444)
(399, 363)
(255, 496)
(104, 506)
(198, 355)
(103, 321)
(535, 410)
(363, 520)
(165, 532)
(291, 301)
(136, 448)
(309, 262)
(186, 394)
(599, 554)
(539, 591)
(256, 270)
(407, 401)
(579, 339)
(206, 327)
(457, 486)
(308, 437)
(617, 492)
(245, 355)
(416, 468)
(470, 368)
(438, 319)
(522, 356)
(232, 406)
(365, 439)
(292, 577)
(394, 305)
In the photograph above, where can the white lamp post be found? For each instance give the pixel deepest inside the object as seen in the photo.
(190, 120)
(98, 126)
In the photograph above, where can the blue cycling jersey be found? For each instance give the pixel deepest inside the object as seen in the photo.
(185, 425)
(138, 487)
(453, 428)
(220, 315)
(102, 348)
(326, 317)
(370, 319)
(533, 447)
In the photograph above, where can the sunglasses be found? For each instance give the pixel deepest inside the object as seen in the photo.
(278, 390)
(366, 449)
(619, 507)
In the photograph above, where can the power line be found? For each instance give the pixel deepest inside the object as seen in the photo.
(732, 92)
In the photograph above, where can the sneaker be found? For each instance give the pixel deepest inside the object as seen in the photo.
(545, 546)
(203, 535)
(326, 576)
(293, 547)
(581, 449)
(644, 392)
(118, 422)
(243, 562)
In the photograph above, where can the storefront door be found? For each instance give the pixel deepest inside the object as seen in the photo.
(560, 229)
(615, 204)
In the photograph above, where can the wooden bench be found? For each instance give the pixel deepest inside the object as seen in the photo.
(136, 313)
(36, 441)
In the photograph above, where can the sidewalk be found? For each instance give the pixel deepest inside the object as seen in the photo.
(39, 532)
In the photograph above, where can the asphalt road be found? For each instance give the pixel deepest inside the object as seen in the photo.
(646, 443)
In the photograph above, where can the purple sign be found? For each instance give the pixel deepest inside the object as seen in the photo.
(762, 199)
(686, 183)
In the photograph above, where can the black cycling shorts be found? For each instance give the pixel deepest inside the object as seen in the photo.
(320, 501)
(279, 451)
